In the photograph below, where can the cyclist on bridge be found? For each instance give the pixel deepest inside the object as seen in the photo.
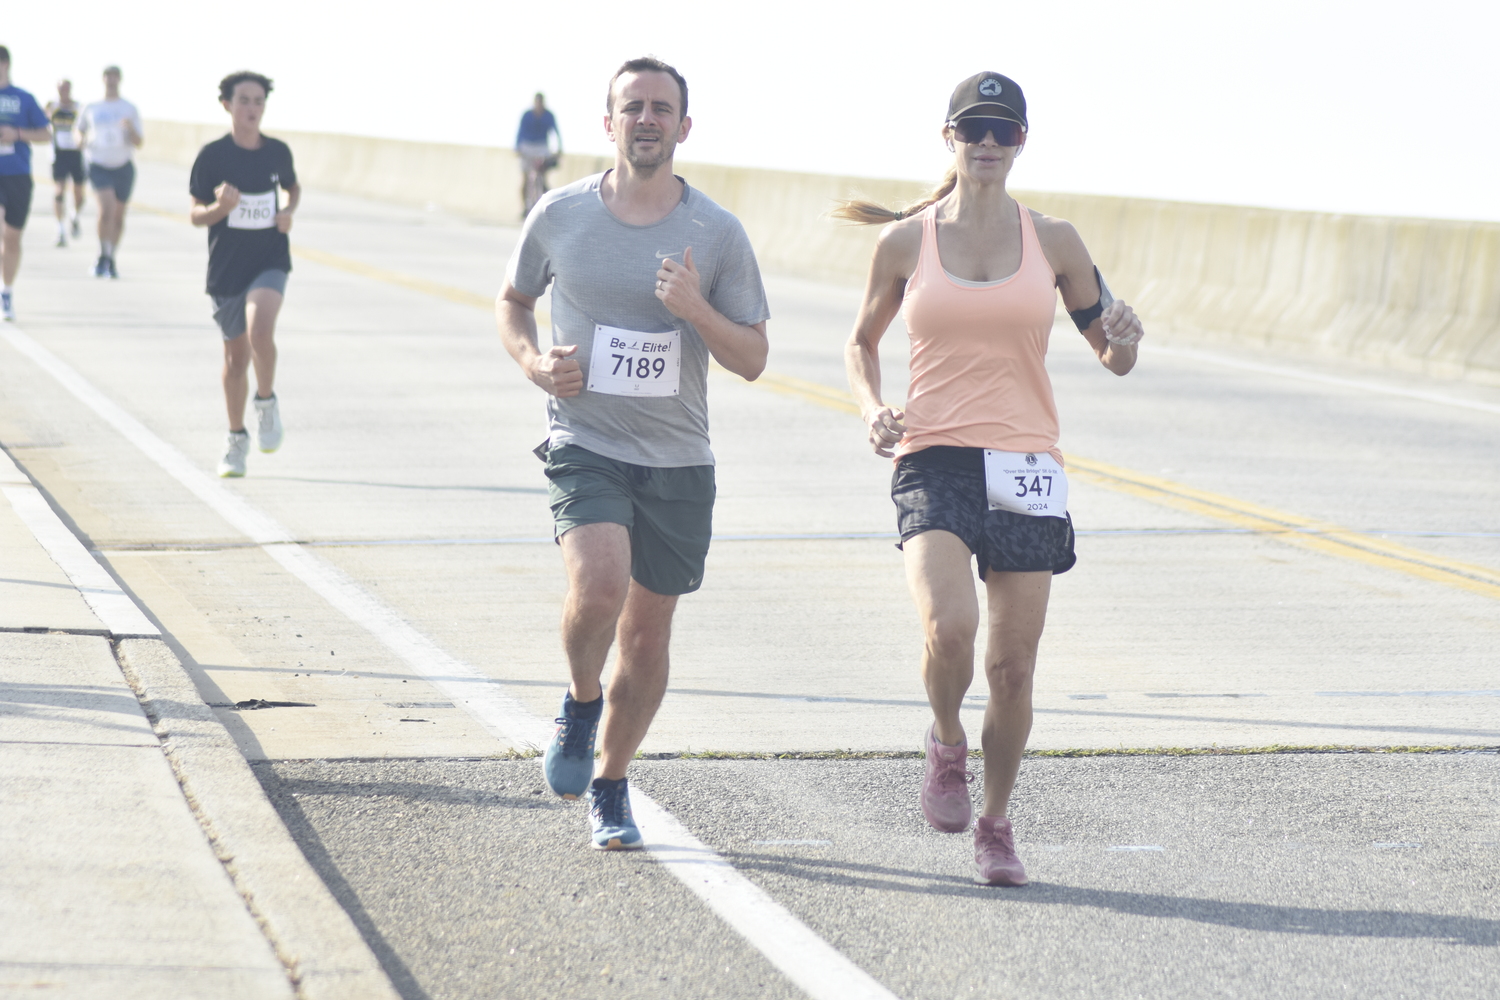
(533, 146)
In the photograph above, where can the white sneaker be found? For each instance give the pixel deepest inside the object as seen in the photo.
(235, 450)
(7, 307)
(268, 432)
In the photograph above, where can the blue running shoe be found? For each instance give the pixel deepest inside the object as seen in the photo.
(609, 815)
(569, 763)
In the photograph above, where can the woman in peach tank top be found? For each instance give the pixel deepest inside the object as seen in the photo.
(978, 472)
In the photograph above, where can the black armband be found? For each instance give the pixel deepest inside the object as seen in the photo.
(1084, 318)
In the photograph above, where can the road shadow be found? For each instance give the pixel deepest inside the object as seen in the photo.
(71, 704)
(1267, 918)
(283, 796)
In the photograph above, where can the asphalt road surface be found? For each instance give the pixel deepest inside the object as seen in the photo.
(1273, 552)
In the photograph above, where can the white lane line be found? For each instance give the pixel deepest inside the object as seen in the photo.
(111, 605)
(790, 945)
(1346, 383)
(503, 716)
(806, 959)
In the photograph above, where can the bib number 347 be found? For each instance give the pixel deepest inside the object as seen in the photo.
(1025, 482)
(629, 363)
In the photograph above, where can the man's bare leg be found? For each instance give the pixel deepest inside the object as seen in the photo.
(597, 560)
(236, 380)
(262, 306)
(111, 220)
(10, 255)
(639, 681)
(60, 209)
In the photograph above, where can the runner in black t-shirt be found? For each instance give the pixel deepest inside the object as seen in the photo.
(67, 158)
(236, 187)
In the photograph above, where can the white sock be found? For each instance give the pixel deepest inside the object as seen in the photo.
(6, 289)
(107, 248)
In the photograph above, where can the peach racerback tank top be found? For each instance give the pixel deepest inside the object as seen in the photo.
(978, 353)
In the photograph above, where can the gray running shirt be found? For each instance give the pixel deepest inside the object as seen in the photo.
(603, 271)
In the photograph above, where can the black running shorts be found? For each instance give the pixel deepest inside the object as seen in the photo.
(942, 489)
(67, 163)
(15, 197)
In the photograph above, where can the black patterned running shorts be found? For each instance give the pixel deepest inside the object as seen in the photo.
(942, 489)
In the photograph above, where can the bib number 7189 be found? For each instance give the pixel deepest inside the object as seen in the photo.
(1031, 483)
(631, 363)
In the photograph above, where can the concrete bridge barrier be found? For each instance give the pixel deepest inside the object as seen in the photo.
(1417, 294)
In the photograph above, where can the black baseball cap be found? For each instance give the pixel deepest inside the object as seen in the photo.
(988, 93)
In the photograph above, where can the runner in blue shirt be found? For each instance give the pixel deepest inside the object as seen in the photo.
(533, 146)
(22, 122)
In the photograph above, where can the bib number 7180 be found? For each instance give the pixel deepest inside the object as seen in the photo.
(1031, 483)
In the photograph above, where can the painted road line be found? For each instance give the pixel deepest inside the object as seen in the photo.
(460, 296)
(837, 398)
(503, 716)
(1320, 536)
(1441, 399)
(798, 952)
(111, 605)
(806, 959)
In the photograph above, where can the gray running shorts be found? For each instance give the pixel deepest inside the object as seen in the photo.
(669, 512)
(120, 179)
(229, 310)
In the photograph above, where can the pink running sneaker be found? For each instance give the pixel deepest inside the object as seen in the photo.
(995, 853)
(945, 789)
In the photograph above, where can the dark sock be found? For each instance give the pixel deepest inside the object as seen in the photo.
(588, 710)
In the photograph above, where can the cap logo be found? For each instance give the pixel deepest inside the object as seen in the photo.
(989, 87)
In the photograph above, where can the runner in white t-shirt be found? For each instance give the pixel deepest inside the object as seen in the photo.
(112, 132)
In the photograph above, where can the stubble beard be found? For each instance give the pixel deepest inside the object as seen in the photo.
(646, 164)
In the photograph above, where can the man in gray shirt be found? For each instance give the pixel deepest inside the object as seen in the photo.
(649, 278)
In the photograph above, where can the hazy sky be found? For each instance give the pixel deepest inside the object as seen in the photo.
(1375, 107)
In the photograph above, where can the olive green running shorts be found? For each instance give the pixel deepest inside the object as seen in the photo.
(668, 512)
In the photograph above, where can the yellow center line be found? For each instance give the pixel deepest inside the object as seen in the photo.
(1319, 536)
(1309, 533)
(350, 266)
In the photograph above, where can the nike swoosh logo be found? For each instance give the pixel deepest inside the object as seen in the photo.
(664, 256)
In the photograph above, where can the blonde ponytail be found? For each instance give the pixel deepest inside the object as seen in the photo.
(867, 213)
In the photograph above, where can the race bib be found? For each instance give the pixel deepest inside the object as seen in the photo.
(65, 138)
(255, 211)
(7, 148)
(627, 363)
(1025, 482)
